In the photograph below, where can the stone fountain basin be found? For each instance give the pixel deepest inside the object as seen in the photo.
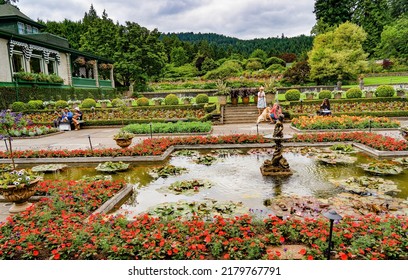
(283, 139)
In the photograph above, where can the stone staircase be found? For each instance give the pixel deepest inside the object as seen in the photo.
(240, 114)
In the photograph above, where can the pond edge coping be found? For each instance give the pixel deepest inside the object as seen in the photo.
(169, 150)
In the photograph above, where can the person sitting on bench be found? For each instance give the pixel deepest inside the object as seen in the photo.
(67, 116)
(77, 117)
(324, 108)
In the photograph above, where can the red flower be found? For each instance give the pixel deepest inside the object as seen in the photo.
(302, 251)
(35, 253)
(282, 239)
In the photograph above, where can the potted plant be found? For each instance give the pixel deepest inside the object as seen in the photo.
(123, 138)
(222, 92)
(270, 91)
(244, 93)
(104, 102)
(79, 61)
(338, 94)
(158, 101)
(187, 99)
(18, 186)
(309, 94)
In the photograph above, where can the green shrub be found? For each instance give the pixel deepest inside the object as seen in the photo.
(61, 104)
(171, 99)
(18, 106)
(34, 104)
(325, 94)
(142, 101)
(202, 98)
(354, 93)
(385, 91)
(292, 95)
(117, 102)
(275, 60)
(88, 103)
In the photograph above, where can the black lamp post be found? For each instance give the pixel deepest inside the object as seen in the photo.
(5, 143)
(257, 131)
(90, 143)
(331, 215)
(301, 105)
(151, 131)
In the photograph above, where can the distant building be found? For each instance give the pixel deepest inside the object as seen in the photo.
(25, 49)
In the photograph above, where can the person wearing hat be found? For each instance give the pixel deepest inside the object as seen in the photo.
(77, 117)
(261, 105)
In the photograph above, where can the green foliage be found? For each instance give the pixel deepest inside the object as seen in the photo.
(325, 94)
(331, 13)
(183, 71)
(143, 101)
(18, 106)
(258, 53)
(354, 93)
(292, 95)
(178, 56)
(171, 99)
(222, 88)
(230, 68)
(276, 68)
(34, 104)
(274, 60)
(385, 91)
(202, 98)
(253, 65)
(338, 54)
(178, 127)
(298, 73)
(393, 42)
(88, 103)
(61, 104)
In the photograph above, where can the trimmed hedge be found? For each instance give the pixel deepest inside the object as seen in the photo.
(354, 93)
(292, 95)
(325, 94)
(178, 127)
(9, 95)
(385, 91)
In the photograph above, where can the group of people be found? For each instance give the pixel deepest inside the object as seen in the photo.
(265, 112)
(66, 116)
(273, 113)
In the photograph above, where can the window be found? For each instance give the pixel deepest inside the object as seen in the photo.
(18, 62)
(36, 65)
(51, 67)
(29, 29)
(35, 30)
(21, 29)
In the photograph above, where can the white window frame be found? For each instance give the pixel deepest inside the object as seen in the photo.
(21, 55)
(42, 68)
(21, 28)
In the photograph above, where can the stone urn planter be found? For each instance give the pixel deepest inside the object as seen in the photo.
(123, 142)
(222, 99)
(270, 98)
(337, 95)
(19, 195)
(123, 138)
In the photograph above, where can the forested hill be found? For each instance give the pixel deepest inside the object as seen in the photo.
(277, 45)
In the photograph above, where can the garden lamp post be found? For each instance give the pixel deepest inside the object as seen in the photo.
(257, 131)
(331, 215)
(369, 124)
(301, 105)
(151, 131)
(5, 143)
(90, 143)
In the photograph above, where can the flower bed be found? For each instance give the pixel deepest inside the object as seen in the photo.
(58, 228)
(178, 127)
(343, 122)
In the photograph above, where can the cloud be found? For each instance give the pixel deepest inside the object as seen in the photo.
(245, 19)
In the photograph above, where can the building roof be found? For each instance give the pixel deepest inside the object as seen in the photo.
(8, 11)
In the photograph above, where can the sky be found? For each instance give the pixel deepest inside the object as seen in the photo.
(243, 19)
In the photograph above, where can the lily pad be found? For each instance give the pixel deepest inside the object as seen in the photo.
(204, 209)
(166, 171)
(188, 187)
(343, 148)
(335, 158)
(49, 168)
(382, 168)
(91, 179)
(112, 167)
(367, 186)
(206, 160)
(402, 160)
(185, 153)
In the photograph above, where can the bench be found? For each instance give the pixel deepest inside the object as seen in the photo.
(65, 126)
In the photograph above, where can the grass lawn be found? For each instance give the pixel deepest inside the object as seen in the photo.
(385, 80)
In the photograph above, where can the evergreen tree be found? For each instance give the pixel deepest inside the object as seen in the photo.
(331, 13)
(398, 8)
(394, 40)
(372, 16)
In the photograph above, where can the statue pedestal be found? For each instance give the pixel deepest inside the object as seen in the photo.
(278, 166)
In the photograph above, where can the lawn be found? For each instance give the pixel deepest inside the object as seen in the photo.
(385, 80)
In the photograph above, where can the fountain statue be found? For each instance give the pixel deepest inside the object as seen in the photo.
(278, 165)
